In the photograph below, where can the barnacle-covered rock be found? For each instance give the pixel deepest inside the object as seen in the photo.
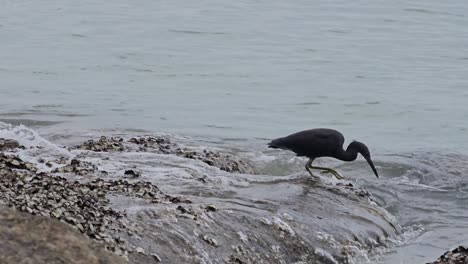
(84, 205)
(78, 167)
(104, 144)
(37, 239)
(223, 161)
(12, 161)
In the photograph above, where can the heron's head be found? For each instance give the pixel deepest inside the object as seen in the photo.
(364, 151)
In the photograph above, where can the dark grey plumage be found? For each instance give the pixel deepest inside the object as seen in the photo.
(322, 142)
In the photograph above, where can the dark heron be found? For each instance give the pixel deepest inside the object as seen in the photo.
(322, 142)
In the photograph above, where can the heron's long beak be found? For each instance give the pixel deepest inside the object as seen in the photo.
(371, 164)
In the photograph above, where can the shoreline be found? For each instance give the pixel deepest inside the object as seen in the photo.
(136, 219)
(459, 255)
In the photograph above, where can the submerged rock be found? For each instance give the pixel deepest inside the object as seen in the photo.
(103, 144)
(164, 145)
(289, 221)
(223, 161)
(78, 167)
(132, 173)
(36, 239)
(456, 256)
(9, 144)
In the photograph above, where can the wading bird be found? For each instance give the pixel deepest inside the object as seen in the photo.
(322, 142)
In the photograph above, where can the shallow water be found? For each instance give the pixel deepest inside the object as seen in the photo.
(234, 75)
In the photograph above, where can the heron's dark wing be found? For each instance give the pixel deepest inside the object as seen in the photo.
(317, 142)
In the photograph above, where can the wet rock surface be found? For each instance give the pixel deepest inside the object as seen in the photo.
(223, 161)
(164, 145)
(288, 235)
(212, 218)
(9, 144)
(132, 173)
(456, 256)
(36, 239)
(85, 206)
(14, 162)
(78, 167)
(103, 144)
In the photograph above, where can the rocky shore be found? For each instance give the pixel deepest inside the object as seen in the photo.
(27, 238)
(164, 145)
(457, 256)
(82, 205)
(85, 205)
(248, 218)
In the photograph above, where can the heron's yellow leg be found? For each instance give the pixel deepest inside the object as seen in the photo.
(332, 171)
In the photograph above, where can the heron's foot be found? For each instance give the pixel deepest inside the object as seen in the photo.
(336, 174)
(328, 170)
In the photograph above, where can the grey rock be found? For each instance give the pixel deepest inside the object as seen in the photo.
(132, 173)
(12, 161)
(9, 144)
(457, 256)
(77, 167)
(104, 144)
(82, 205)
(35, 239)
(139, 250)
(223, 161)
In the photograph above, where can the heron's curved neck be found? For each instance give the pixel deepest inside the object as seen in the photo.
(349, 155)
